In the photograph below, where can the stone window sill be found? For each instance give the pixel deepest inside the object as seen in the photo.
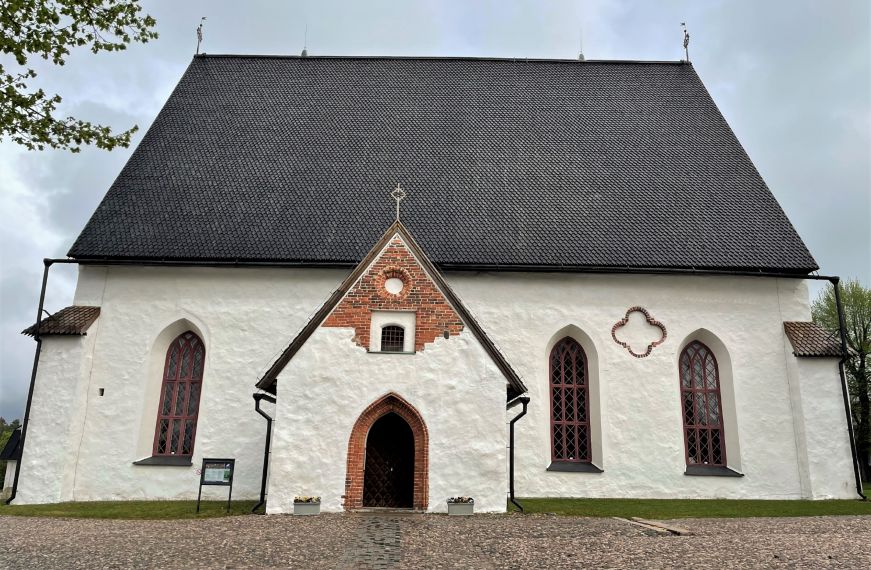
(709, 471)
(166, 460)
(389, 352)
(573, 467)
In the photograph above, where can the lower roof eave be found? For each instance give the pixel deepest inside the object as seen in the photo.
(790, 272)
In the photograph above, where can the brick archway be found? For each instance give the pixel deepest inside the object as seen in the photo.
(357, 450)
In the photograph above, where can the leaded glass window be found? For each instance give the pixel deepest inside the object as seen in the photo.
(569, 403)
(702, 407)
(392, 339)
(180, 396)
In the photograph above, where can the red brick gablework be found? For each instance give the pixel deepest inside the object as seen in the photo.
(650, 320)
(357, 450)
(434, 314)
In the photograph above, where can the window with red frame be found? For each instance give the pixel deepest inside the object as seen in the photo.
(180, 396)
(702, 407)
(569, 403)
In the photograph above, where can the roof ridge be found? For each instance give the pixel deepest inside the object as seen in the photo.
(442, 58)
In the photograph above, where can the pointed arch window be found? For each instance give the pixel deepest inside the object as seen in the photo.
(180, 396)
(702, 407)
(569, 404)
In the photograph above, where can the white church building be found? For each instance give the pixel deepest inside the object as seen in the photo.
(583, 241)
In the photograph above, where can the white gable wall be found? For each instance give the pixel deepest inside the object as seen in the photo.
(248, 316)
(454, 385)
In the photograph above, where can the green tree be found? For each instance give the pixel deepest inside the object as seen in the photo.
(856, 301)
(49, 29)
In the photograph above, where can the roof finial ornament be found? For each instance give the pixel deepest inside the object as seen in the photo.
(200, 34)
(686, 41)
(305, 42)
(399, 195)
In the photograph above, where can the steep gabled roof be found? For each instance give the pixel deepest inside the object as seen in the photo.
(515, 384)
(509, 164)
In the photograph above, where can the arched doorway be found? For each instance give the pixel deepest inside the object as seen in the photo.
(388, 479)
(390, 433)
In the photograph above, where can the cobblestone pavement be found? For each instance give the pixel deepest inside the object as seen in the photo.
(431, 541)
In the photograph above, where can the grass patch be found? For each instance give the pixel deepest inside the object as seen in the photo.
(130, 509)
(644, 508)
(692, 508)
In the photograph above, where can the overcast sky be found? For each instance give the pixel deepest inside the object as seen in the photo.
(793, 79)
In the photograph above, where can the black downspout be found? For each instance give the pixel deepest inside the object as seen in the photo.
(525, 401)
(270, 399)
(47, 263)
(842, 328)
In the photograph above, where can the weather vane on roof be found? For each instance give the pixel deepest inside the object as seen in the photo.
(200, 34)
(399, 195)
(686, 40)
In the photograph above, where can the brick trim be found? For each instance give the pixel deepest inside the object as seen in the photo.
(356, 468)
(650, 320)
(396, 273)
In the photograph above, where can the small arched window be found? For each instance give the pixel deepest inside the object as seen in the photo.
(392, 338)
(180, 396)
(702, 407)
(569, 403)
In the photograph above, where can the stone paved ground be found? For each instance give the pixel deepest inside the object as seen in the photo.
(431, 541)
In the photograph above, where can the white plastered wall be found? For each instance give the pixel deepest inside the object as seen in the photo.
(823, 443)
(81, 446)
(642, 446)
(9, 478)
(54, 431)
(454, 385)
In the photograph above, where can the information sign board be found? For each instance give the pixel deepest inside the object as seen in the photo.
(217, 472)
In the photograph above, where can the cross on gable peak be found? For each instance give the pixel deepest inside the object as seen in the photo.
(399, 195)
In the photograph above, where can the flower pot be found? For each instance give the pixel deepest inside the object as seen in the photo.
(461, 509)
(306, 508)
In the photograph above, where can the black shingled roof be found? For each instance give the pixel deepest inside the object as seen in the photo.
(540, 163)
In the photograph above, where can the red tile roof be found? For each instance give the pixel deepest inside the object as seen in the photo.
(810, 339)
(75, 320)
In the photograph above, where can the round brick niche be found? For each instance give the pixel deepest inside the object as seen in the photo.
(394, 285)
(393, 282)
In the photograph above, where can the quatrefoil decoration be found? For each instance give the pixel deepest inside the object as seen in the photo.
(639, 331)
